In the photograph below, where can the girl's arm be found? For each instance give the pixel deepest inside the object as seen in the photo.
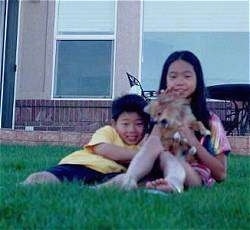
(217, 164)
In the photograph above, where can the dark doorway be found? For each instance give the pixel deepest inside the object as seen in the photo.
(8, 72)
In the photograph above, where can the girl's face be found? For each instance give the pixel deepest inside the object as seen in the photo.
(130, 127)
(181, 78)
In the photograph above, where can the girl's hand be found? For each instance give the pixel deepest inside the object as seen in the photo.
(188, 134)
(171, 93)
(217, 164)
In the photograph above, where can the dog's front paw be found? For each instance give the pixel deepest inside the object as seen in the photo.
(192, 151)
(177, 137)
(207, 132)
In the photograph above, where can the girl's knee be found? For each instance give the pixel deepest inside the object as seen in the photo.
(193, 179)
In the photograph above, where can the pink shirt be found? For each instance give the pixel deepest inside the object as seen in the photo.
(219, 140)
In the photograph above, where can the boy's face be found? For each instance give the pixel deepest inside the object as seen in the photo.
(130, 127)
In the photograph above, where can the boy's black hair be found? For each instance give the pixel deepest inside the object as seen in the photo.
(130, 103)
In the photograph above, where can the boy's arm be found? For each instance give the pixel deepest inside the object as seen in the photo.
(114, 152)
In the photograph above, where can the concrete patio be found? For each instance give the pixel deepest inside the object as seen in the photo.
(240, 144)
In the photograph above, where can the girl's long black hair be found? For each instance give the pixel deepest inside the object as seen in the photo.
(198, 98)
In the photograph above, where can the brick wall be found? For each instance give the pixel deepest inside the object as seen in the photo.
(80, 116)
(240, 144)
(71, 122)
(62, 115)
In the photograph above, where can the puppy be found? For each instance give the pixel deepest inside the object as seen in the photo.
(171, 113)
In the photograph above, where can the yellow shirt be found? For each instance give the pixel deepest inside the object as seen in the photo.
(90, 159)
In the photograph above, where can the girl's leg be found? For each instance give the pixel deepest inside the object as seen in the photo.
(120, 181)
(143, 161)
(174, 174)
(193, 179)
(41, 178)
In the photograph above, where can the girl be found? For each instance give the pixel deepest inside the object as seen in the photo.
(182, 75)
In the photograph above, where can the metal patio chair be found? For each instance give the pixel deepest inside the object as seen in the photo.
(147, 94)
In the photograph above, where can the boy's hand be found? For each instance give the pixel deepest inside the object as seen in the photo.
(153, 141)
(155, 131)
(114, 152)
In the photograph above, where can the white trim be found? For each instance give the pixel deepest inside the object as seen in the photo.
(140, 42)
(3, 58)
(81, 99)
(114, 53)
(17, 52)
(84, 37)
(54, 50)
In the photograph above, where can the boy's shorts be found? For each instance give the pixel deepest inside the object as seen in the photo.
(72, 172)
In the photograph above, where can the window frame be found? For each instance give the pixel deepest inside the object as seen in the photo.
(84, 37)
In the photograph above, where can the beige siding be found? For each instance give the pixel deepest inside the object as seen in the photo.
(35, 50)
(128, 43)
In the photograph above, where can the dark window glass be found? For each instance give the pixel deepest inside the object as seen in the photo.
(83, 68)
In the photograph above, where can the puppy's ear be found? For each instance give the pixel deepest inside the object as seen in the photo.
(147, 109)
(151, 108)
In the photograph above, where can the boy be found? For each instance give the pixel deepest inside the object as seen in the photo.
(109, 151)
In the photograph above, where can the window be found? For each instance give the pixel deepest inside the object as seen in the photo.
(216, 31)
(84, 49)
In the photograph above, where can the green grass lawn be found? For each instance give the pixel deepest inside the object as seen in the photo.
(74, 206)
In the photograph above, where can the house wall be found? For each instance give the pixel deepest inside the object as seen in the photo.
(128, 43)
(35, 48)
(35, 106)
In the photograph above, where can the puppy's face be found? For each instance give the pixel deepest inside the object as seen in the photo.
(169, 113)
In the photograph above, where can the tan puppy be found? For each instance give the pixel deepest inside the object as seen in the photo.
(171, 113)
